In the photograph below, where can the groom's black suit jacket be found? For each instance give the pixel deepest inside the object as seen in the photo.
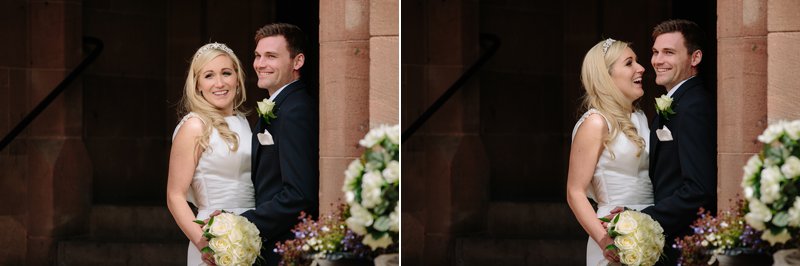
(684, 171)
(286, 175)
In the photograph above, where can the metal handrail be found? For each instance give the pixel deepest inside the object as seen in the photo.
(458, 84)
(98, 48)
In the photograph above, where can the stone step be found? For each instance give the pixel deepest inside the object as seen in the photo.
(133, 224)
(98, 253)
(506, 251)
(533, 220)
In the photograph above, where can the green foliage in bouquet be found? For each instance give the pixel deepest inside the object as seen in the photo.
(771, 184)
(372, 188)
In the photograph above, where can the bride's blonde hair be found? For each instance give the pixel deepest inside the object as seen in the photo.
(193, 101)
(602, 94)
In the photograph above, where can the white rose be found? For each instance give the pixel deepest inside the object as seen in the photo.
(354, 170)
(663, 102)
(235, 235)
(780, 238)
(630, 258)
(793, 129)
(626, 224)
(371, 189)
(223, 258)
(382, 242)
(393, 133)
(794, 213)
(394, 217)
(770, 184)
(219, 244)
(749, 193)
(359, 219)
(222, 224)
(758, 215)
(625, 242)
(239, 254)
(772, 132)
(265, 106)
(349, 197)
(373, 137)
(752, 168)
(791, 167)
(392, 172)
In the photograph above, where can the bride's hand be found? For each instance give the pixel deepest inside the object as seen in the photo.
(610, 254)
(207, 257)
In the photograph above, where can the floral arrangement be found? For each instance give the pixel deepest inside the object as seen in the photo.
(771, 184)
(232, 239)
(327, 238)
(725, 234)
(372, 188)
(664, 106)
(638, 238)
(264, 109)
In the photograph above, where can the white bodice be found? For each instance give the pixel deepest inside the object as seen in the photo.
(222, 177)
(622, 180)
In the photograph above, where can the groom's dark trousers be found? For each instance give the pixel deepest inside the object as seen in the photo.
(286, 174)
(684, 170)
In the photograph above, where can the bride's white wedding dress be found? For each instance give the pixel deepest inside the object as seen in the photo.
(222, 178)
(621, 181)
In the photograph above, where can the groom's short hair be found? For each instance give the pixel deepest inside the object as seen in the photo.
(693, 35)
(295, 38)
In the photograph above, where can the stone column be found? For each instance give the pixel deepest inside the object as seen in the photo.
(58, 168)
(383, 65)
(784, 60)
(742, 90)
(344, 92)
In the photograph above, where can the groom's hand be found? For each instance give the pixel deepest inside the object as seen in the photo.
(215, 213)
(610, 216)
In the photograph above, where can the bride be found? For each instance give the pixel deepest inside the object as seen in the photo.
(209, 163)
(609, 154)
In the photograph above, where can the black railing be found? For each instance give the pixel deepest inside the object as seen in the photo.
(98, 47)
(458, 84)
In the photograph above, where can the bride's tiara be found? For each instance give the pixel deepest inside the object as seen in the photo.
(213, 46)
(607, 44)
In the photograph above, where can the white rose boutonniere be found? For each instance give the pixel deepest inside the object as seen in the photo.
(664, 106)
(265, 110)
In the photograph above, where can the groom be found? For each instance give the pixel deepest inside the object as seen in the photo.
(683, 143)
(285, 151)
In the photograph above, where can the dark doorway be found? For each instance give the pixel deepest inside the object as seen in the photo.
(131, 92)
(530, 91)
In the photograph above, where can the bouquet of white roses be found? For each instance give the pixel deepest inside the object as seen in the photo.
(771, 183)
(638, 239)
(232, 239)
(372, 188)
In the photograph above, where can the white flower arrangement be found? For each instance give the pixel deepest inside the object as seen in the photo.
(265, 110)
(664, 106)
(232, 239)
(372, 188)
(639, 239)
(770, 183)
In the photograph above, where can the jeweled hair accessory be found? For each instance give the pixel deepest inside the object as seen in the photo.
(213, 46)
(607, 44)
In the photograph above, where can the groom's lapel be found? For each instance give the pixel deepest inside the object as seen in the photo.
(295, 86)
